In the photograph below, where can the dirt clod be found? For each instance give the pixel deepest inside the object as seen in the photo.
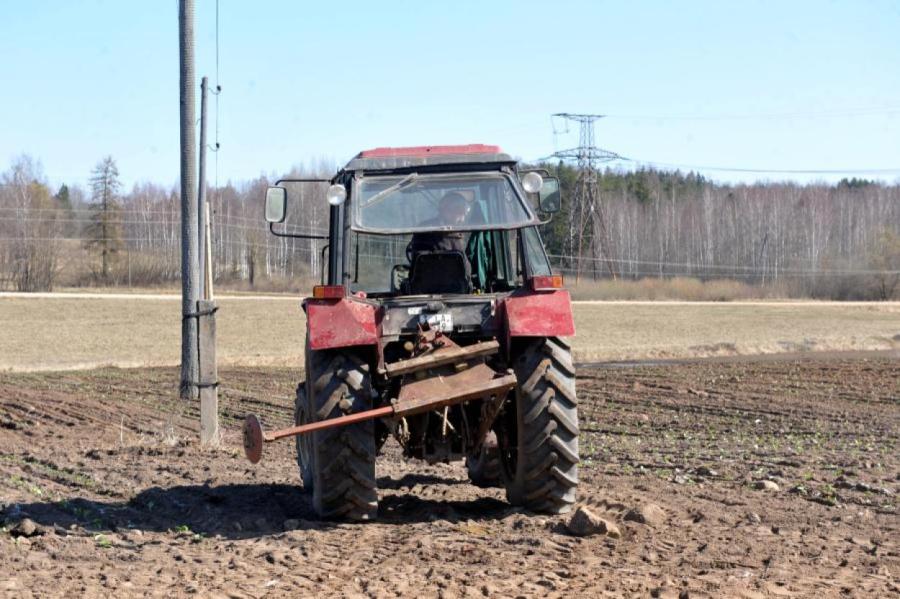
(649, 513)
(766, 485)
(584, 522)
(706, 471)
(25, 528)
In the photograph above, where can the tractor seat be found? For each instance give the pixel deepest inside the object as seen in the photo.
(445, 271)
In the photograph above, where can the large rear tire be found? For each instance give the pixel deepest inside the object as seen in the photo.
(540, 456)
(338, 463)
(304, 442)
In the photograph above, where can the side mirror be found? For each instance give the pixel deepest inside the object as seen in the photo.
(276, 198)
(549, 200)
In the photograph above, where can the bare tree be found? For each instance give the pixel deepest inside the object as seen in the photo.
(29, 228)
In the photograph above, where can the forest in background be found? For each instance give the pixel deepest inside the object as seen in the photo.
(667, 234)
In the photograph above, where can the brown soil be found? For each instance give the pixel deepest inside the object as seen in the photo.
(106, 464)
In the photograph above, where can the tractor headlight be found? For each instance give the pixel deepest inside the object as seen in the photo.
(532, 182)
(336, 195)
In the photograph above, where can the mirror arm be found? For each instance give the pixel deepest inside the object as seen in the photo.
(322, 263)
(293, 235)
(290, 180)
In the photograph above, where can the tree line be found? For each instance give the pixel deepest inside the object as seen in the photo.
(819, 240)
(839, 240)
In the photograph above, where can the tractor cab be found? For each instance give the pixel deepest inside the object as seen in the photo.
(432, 220)
(438, 321)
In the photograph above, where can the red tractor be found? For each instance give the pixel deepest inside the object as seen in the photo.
(440, 323)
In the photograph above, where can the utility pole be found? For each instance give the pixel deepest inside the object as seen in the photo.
(201, 194)
(206, 308)
(190, 275)
(587, 208)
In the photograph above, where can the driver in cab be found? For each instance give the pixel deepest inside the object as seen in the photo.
(453, 208)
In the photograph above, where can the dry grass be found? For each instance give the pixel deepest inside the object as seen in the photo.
(628, 331)
(70, 333)
(676, 288)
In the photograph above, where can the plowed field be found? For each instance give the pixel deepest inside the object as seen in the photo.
(774, 477)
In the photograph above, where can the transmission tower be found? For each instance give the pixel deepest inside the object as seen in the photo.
(587, 212)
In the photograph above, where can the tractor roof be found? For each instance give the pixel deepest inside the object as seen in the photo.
(419, 156)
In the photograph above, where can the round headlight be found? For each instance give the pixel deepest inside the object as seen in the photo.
(336, 195)
(532, 182)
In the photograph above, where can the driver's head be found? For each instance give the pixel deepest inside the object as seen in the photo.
(453, 208)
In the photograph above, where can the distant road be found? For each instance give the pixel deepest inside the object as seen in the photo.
(294, 298)
(136, 296)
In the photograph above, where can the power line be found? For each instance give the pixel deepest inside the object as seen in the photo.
(767, 269)
(612, 157)
(747, 276)
(274, 245)
(847, 171)
(849, 112)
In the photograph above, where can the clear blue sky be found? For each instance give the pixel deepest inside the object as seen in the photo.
(816, 84)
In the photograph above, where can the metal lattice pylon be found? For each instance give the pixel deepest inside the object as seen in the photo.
(587, 212)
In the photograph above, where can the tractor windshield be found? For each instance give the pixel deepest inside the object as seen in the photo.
(445, 202)
(500, 260)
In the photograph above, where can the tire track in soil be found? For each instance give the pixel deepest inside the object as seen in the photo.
(134, 506)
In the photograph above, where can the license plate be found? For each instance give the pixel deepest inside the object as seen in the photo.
(438, 322)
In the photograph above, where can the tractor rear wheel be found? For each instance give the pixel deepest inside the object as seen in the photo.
(540, 451)
(304, 442)
(339, 462)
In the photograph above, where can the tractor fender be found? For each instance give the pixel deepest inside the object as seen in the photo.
(539, 314)
(335, 323)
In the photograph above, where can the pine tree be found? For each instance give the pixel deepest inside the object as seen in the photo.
(62, 197)
(103, 233)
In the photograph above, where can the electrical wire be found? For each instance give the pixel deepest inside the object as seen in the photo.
(888, 110)
(698, 266)
(782, 171)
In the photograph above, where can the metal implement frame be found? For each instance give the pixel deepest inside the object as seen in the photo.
(455, 375)
(255, 437)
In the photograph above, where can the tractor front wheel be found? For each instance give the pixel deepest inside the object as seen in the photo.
(539, 450)
(339, 463)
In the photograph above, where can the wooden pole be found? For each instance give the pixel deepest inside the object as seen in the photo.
(209, 380)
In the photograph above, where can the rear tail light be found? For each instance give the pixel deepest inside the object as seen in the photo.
(328, 291)
(546, 283)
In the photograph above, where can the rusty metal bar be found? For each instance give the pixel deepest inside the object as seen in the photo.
(442, 357)
(451, 393)
(255, 437)
(330, 423)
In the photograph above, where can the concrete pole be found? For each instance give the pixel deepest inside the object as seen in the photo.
(201, 194)
(190, 272)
